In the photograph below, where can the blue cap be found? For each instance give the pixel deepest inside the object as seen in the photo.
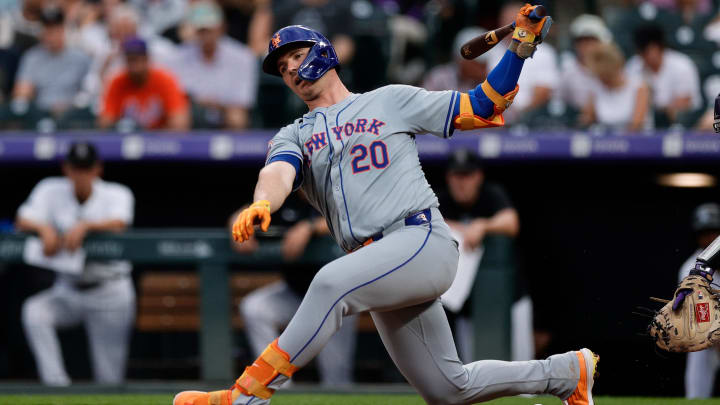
(134, 46)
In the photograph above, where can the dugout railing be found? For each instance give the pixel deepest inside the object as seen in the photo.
(210, 251)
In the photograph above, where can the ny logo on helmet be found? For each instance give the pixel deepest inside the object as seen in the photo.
(276, 40)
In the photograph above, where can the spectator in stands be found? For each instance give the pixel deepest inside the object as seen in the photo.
(474, 209)
(159, 16)
(148, 96)
(62, 211)
(218, 73)
(619, 100)
(685, 6)
(701, 367)
(694, 11)
(249, 22)
(333, 18)
(108, 60)
(51, 73)
(19, 31)
(537, 88)
(460, 74)
(663, 67)
(267, 310)
(587, 31)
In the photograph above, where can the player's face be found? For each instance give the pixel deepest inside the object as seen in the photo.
(464, 186)
(82, 178)
(288, 66)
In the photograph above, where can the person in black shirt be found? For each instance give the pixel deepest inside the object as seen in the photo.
(267, 310)
(473, 209)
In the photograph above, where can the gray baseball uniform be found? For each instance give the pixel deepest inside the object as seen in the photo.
(360, 169)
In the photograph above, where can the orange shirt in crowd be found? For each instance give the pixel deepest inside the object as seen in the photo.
(148, 105)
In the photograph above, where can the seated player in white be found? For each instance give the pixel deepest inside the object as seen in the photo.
(62, 211)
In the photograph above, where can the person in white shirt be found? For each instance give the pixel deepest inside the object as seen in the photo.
(123, 22)
(587, 31)
(618, 100)
(672, 76)
(219, 73)
(701, 367)
(62, 211)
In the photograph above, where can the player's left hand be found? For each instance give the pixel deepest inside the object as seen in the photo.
(74, 238)
(257, 213)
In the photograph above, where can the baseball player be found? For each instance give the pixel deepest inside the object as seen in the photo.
(701, 366)
(355, 157)
(62, 211)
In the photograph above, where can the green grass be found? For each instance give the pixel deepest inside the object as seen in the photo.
(320, 399)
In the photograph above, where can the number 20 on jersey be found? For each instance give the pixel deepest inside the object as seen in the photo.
(376, 152)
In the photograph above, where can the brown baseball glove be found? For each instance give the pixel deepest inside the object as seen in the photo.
(691, 321)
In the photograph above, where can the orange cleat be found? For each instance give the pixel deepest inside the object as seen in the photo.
(224, 397)
(588, 372)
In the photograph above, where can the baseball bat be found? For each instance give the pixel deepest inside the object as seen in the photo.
(483, 43)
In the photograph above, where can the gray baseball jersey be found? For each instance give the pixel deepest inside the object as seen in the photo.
(360, 162)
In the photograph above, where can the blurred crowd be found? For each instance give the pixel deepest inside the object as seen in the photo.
(608, 65)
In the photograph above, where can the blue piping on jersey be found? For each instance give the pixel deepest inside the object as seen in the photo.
(362, 285)
(342, 188)
(448, 129)
(330, 155)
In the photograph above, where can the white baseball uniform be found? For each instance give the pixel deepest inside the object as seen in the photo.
(102, 297)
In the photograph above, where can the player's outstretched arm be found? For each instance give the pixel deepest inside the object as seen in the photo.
(275, 183)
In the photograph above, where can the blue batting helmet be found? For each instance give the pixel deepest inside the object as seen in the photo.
(319, 60)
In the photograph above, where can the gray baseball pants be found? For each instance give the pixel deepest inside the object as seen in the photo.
(399, 279)
(269, 309)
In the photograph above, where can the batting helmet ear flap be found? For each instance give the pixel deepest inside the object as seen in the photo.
(320, 58)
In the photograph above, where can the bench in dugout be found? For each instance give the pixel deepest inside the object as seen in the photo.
(170, 301)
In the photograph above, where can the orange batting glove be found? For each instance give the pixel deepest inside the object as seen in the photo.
(244, 226)
(523, 21)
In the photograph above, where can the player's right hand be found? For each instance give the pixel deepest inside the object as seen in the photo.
(50, 240)
(257, 213)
